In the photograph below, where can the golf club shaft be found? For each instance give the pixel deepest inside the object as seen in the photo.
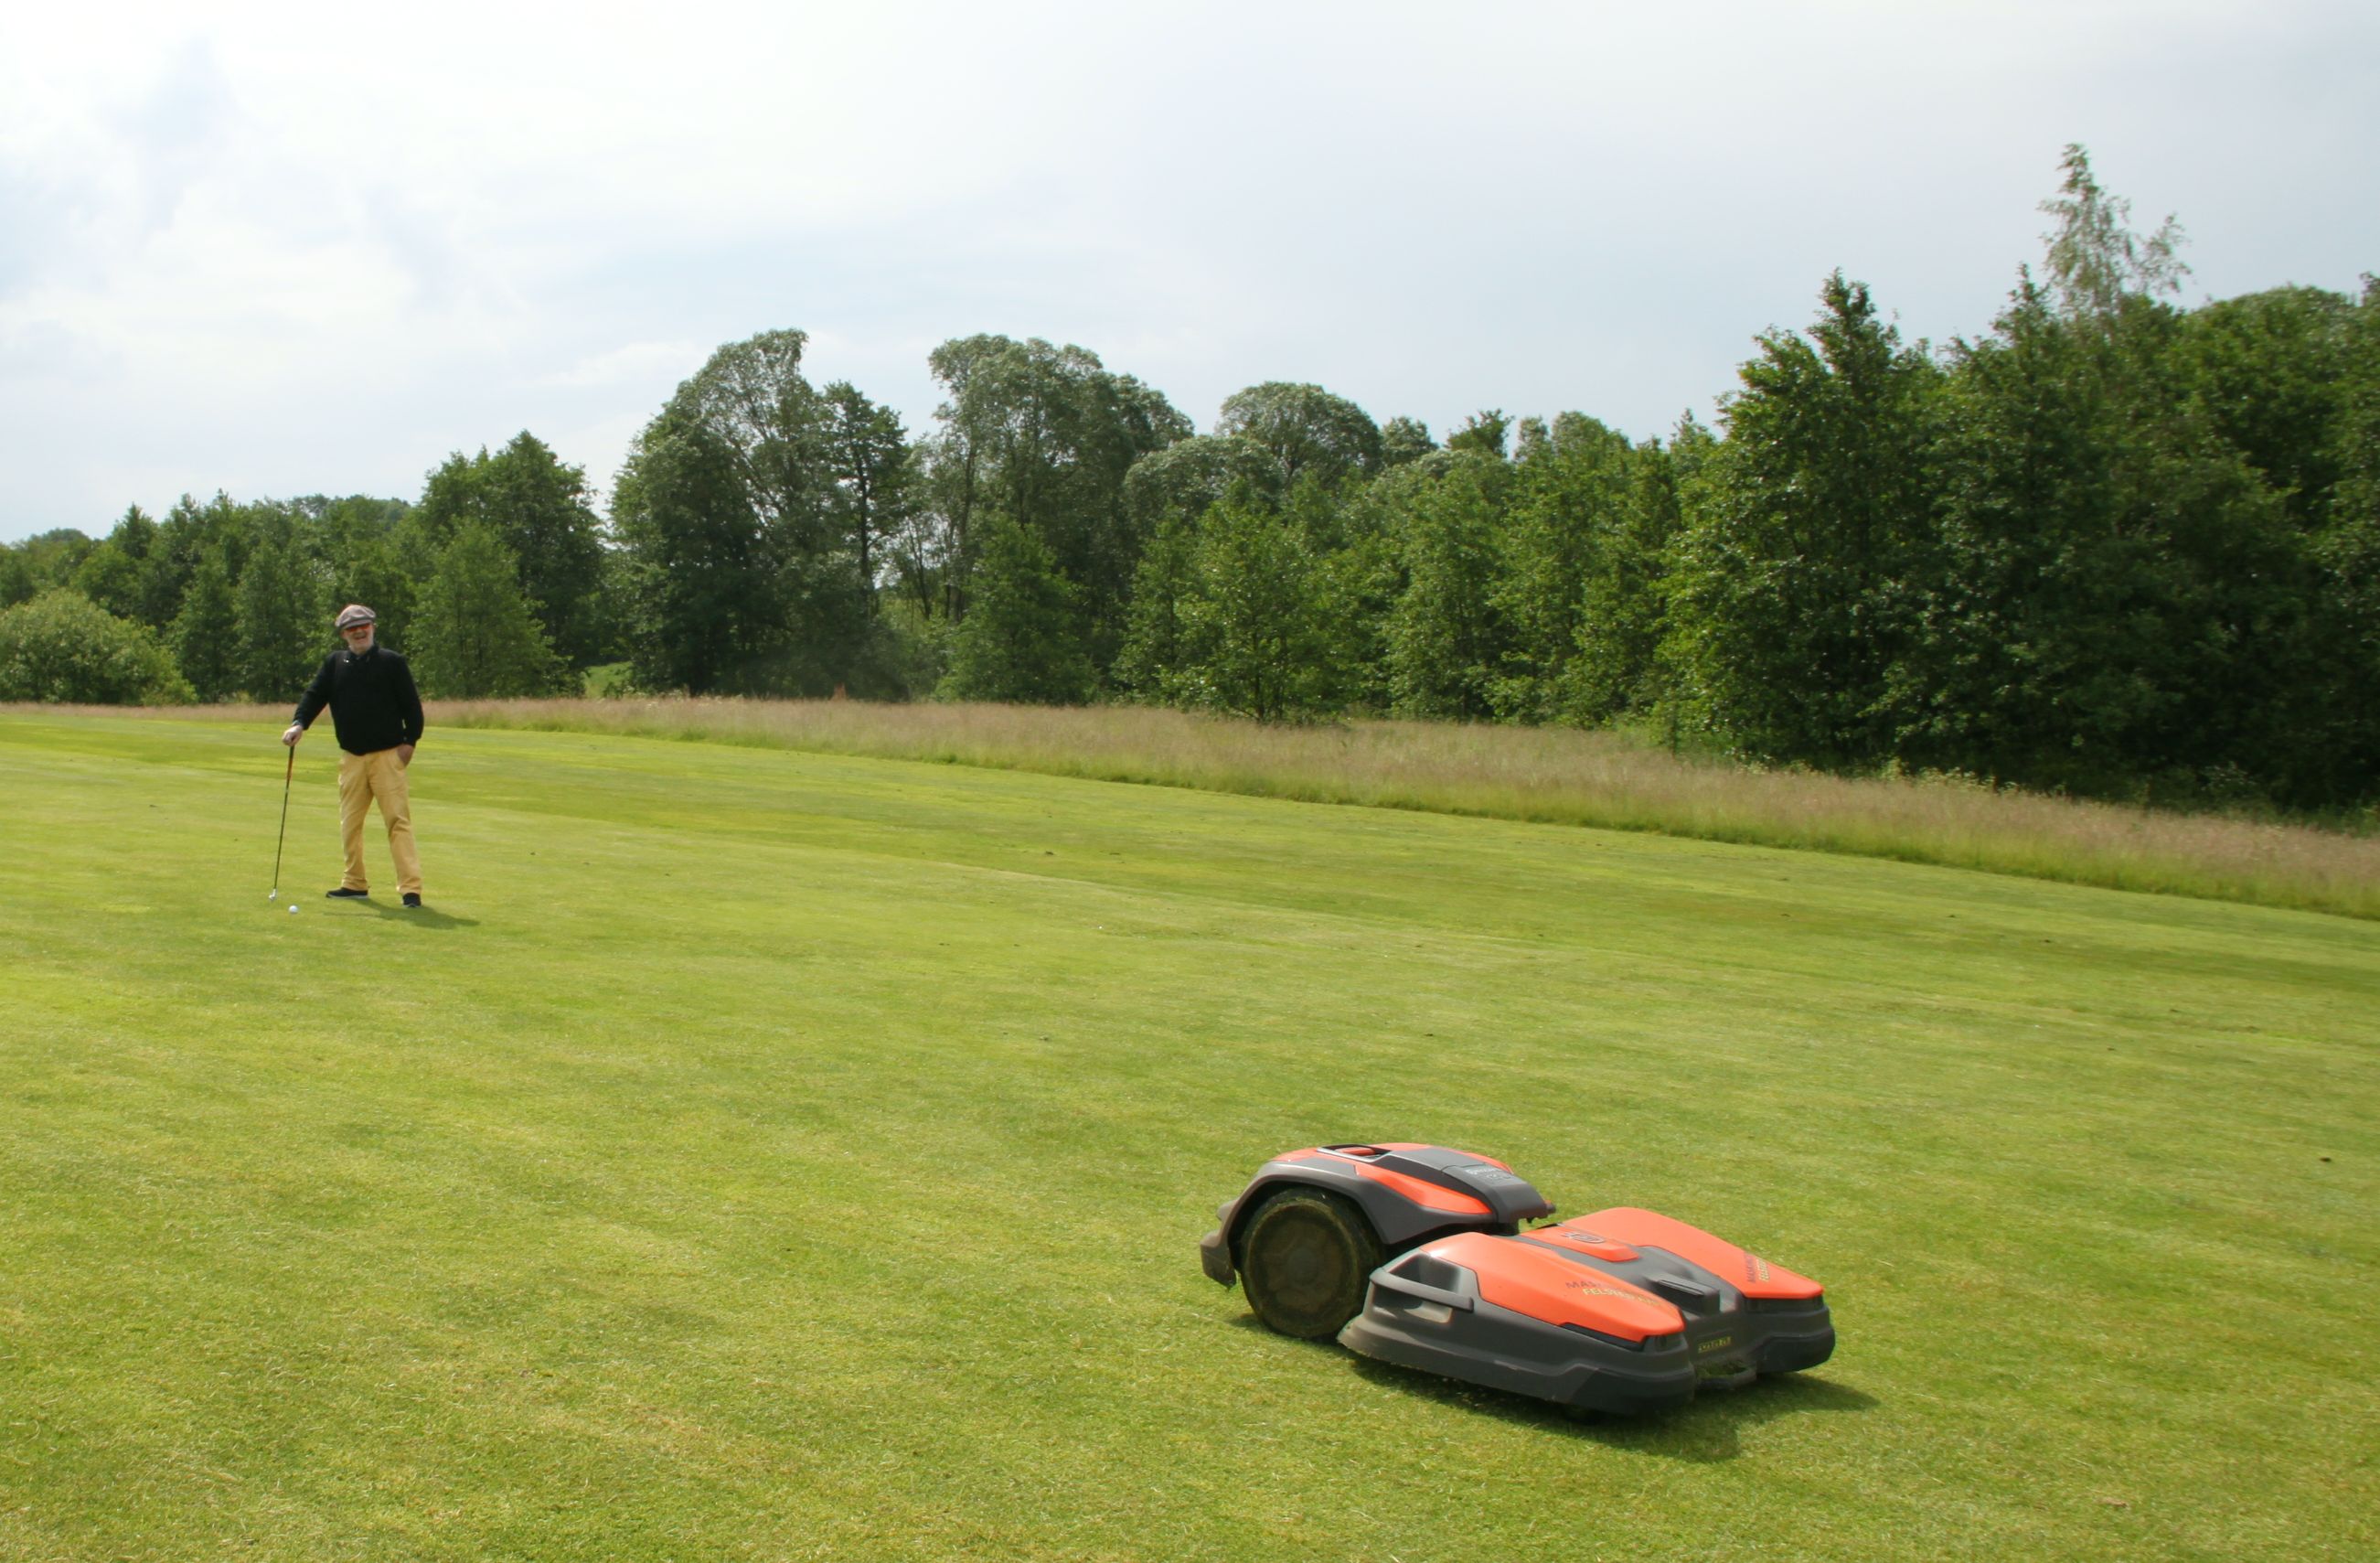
(282, 834)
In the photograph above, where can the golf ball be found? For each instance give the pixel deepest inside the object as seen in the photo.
(293, 911)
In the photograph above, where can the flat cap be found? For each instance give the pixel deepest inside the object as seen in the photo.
(355, 614)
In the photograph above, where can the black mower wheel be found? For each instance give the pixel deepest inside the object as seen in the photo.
(1305, 1257)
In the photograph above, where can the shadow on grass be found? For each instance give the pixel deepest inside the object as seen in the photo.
(420, 917)
(1702, 1432)
(1705, 1432)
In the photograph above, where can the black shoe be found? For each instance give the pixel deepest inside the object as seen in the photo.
(343, 894)
(413, 900)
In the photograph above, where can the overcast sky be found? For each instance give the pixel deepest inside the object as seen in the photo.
(292, 249)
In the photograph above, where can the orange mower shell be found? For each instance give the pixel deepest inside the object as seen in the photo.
(1624, 1310)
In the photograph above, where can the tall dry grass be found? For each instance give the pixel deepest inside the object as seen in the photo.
(1554, 775)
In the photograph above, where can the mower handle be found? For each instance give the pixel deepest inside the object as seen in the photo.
(1389, 1281)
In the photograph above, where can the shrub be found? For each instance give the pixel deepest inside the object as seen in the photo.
(63, 647)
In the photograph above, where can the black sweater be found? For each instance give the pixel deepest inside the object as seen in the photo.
(372, 700)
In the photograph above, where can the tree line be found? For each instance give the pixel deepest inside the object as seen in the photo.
(2112, 544)
(493, 581)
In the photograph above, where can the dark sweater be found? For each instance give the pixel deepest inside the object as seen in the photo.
(372, 700)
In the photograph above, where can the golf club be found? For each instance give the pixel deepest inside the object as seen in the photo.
(274, 894)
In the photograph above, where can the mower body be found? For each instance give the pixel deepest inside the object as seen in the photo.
(1623, 1310)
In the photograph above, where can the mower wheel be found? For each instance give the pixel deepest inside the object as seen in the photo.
(1305, 1256)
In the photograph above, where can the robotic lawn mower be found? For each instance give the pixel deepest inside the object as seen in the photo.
(1415, 1255)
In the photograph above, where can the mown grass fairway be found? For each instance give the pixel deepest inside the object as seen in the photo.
(769, 1155)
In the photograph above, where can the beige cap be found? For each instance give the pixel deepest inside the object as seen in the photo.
(355, 614)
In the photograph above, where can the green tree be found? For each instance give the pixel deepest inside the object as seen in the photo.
(704, 605)
(1360, 539)
(2096, 262)
(2267, 374)
(868, 461)
(154, 597)
(1806, 541)
(1403, 440)
(352, 522)
(1566, 501)
(1447, 642)
(740, 473)
(61, 646)
(1585, 548)
(1306, 429)
(2136, 532)
(538, 508)
(771, 425)
(110, 577)
(1021, 641)
(1482, 433)
(282, 610)
(2340, 735)
(1152, 645)
(1255, 636)
(50, 558)
(188, 533)
(205, 633)
(477, 637)
(1623, 614)
(1167, 494)
(2115, 581)
(1044, 436)
(1181, 482)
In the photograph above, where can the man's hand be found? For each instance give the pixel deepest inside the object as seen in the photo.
(403, 755)
(293, 734)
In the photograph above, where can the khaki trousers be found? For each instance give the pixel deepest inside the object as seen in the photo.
(364, 778)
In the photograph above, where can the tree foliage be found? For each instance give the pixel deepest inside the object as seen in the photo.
(537, 507)
(1235, 613)
(62, 647)
(205, 633)
(283, 612)
(1585, 537)
(1022, 641)
(41, 562)
(110, 577)
(1044, 437)
(868, 462)
(705, 606)
(742, 514)
(1804, 546)
(1305, 430)
(2094, 259)
(1403, 440)
(1447, 635)
(476, 636)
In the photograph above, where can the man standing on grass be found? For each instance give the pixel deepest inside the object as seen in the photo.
(377, 714)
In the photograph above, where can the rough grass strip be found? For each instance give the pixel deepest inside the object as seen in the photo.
(1541, 775)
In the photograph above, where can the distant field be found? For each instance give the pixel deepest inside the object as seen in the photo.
(1540, 774)
(766, 1153)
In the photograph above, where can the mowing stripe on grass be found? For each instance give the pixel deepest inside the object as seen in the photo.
(794, 1155)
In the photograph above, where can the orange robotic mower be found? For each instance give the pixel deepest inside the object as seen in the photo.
(1415, 1255)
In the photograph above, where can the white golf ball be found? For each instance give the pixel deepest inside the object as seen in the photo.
(292, 910)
